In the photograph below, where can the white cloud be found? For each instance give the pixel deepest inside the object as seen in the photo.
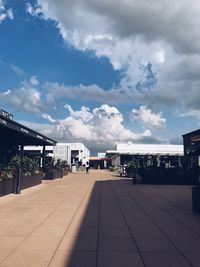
(17, 69)
(26, 98)
(48, 117)
(93, 92)
(151, 21)
(129, 33)
(5, 13)
(34, 11)
(83, 114)
(34, 81)
(146, 117)
(100, 128)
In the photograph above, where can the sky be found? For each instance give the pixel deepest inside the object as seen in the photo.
(102, 72)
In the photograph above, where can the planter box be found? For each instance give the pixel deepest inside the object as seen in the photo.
(54, 174)
(6, 186)
(51, 175)
(65, 172)
(196, 199)
(29, 181)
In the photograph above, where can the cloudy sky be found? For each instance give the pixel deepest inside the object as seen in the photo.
(101, 72)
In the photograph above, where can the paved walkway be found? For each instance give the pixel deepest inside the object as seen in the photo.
(99, 220)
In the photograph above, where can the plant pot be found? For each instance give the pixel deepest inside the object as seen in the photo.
(196, 199)
(65, 172)
(31, 180)
(52, 174)
(6, 186)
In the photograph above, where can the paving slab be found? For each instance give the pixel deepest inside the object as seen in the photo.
(99, 220)
(165, 260)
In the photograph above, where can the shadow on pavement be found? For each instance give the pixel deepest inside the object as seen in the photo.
(125, 225)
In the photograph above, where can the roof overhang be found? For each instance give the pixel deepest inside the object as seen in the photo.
(138, 153)
(15, 133)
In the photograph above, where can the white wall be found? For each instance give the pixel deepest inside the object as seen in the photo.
(150, 148)
(64, 151)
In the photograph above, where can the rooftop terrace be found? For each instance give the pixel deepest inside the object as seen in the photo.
(99, 220)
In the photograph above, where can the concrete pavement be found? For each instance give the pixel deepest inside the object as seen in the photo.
(99, 220)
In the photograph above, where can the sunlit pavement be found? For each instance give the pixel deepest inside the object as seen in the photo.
(99, 220)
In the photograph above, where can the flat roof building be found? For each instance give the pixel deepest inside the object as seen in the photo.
(126, 152)
(70, 152)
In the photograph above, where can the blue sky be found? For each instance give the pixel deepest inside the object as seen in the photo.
(77, 71)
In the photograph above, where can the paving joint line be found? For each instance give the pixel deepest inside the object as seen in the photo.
(133, 238)
(97, 249)
(158, 226)
(170, 214)
(26, 237)
(75, 213)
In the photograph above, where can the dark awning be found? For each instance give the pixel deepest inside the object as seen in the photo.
(14, 133)
(195, 151)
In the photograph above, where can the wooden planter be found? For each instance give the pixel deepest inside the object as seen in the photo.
(29, 181)
(7, 185)
(196, 199)
(65, 172)
(52, 174)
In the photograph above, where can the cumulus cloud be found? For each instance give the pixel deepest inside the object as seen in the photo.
(86, 22)
(99, 128)
(5, 13)
(48, 117)
(146, 117)
(26, 98)
(132, 34)
(34, 81)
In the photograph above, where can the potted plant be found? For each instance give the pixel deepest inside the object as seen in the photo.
(131, 170)
(56, 169)
(31, 175)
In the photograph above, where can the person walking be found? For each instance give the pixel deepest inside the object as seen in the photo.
(87, 166)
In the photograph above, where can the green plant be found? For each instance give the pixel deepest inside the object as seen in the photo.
(59, 164)
(112, 168)
(29, 166)
(131, 167)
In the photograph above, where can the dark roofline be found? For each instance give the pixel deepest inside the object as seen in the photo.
(193, 132)
(9, 123)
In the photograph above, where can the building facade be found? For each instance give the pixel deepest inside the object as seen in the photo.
(147, 154)
(72, 153)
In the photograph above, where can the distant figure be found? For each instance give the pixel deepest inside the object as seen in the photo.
(87, 167)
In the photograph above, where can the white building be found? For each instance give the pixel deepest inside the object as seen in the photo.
(71, 152)
(128, 151)
(77, 151)
(150, 149)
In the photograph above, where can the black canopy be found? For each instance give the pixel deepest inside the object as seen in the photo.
(14, 133)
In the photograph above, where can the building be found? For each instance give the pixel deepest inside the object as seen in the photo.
(14, 137)
(191, 142)
(73, 153)
(100, 162)
(170, 155)
(79, 153)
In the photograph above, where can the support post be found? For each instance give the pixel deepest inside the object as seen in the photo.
(43, 159)
(19, 172)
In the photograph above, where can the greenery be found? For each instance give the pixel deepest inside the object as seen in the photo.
(58, 164)
(131, 167)
(112, 168)
(29, 166)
